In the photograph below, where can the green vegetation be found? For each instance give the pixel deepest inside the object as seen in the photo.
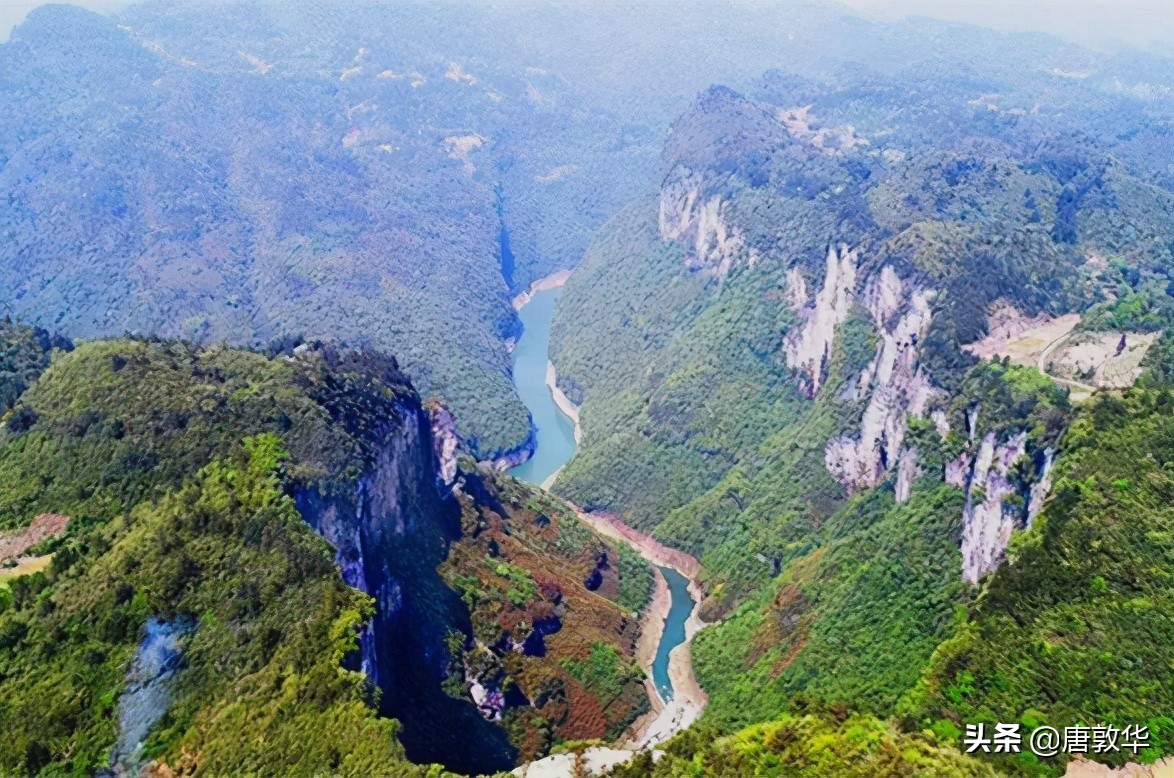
(695, 427)
(522, 567)
(120, 422)
(1077, 629)
(24, 355)
(263, 693)
(24, 567)
(139, 442)
(637, 580)
(851, 622)
(397, 197)
(1146, 309)
(1008, 397)
(805, 745)
(600, 671)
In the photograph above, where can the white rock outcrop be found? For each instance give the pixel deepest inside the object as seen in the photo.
(445, 441)
(1040, 489)
(896, 385)
(808, 345)
(907, 472)
(700, 224)
(987, 524)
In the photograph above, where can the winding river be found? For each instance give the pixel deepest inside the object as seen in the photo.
(555, 435)
(554, 432)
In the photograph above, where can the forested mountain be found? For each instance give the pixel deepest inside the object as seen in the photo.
(235, 562)
(393, 173)
(873, 319)
(844, 354)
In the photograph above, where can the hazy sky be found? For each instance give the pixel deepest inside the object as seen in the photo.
(1137, 22)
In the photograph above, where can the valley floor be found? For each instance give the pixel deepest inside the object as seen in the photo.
(689, 699)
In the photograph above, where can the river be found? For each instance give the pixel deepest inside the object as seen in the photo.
(674, 630)
(555, 435)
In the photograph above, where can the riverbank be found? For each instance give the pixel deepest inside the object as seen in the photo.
(665, 719)
(554, 429)
(544, 284)
(689, 699)
(558, 434)
(567, 408)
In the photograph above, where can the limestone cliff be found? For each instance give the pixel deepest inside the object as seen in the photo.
(999, 501)
(808, 345)
(987, 524)
(895, 383)
(391, 531)
(699, 222)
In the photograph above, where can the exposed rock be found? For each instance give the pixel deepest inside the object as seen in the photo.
(1040, 489)
(986, 524)
(829, 140)
(459, 147)
(899, 388)
(1106, 360)
(972, 422)
(444, 441)
(517, 456)
(44, 526)
(940, 422)
(808, 345)
(883, 296)
(1005, 324)
(958, 471)
(1081, 767)
(796, 294)
(699, 223)
(149, 684)
(390, 532)
(907, 472)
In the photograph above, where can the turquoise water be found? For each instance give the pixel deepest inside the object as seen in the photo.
(555, 432)
(674, 630)
(556, 444)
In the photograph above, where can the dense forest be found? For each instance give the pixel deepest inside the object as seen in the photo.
(391, 174)
(191, 482)
(874, 319)
(808, 360)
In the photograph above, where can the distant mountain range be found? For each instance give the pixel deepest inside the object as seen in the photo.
(872, 318)
(247, 172)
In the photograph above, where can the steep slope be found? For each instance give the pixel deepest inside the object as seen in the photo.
(1077, 629)
(775, 343)
(195, 481)
(393, 174)
(24, 357)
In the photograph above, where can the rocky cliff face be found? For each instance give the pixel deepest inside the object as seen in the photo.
(998, 502)
(699, 222)
(808, 346)
(391, 532)
(895, 383)
(445, 441)
(149, 683)
(987, 523)
(897, 388)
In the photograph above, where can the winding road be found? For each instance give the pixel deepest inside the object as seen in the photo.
(1041, 365)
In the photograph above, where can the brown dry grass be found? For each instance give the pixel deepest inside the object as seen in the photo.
(47, 525)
